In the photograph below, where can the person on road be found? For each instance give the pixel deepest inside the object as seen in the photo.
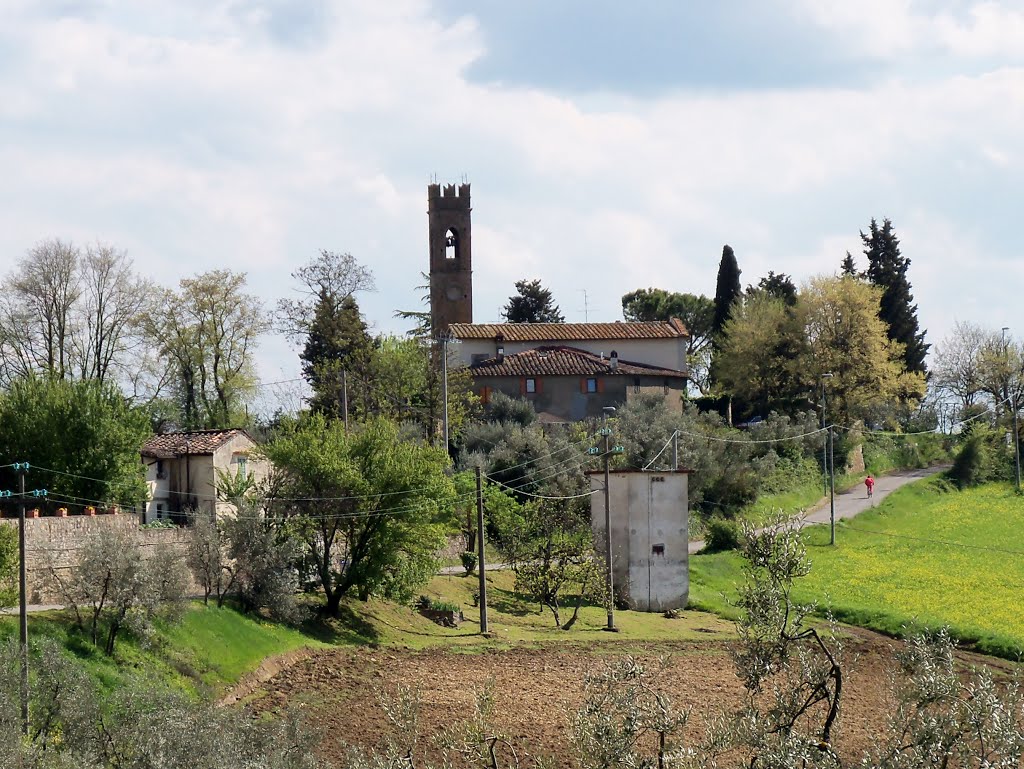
(870, 483)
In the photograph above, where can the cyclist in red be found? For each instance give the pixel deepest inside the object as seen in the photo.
(870, 483)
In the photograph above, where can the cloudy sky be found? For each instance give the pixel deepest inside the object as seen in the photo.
(610, 145)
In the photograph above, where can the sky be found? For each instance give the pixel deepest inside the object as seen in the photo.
(610, 146)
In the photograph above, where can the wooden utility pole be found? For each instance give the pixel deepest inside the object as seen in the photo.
(344, 397)
(607, 433)
(481, 566)
(21, 468)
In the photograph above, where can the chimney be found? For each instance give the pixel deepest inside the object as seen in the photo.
(614, 365)
(499, 344)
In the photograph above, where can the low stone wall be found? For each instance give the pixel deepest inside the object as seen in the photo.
(58, 540)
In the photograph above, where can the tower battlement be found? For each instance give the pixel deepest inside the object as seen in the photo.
(448, 196)
(451, 255)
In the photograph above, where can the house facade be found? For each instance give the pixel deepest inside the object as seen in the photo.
(182, 470)
(568, 384)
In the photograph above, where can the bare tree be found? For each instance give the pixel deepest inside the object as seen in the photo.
(37, 310)
(331, 276)
(956, 359)
(112, 302)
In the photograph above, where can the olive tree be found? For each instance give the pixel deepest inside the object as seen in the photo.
(114, 588)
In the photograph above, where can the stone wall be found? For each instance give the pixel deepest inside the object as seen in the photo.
(59, 540)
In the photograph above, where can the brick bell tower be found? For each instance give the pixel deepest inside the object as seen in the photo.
(451, 256)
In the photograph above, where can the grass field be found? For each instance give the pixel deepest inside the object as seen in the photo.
(203, 655)
(925, 557)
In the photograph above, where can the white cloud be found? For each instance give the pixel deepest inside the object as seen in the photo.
(211, 144)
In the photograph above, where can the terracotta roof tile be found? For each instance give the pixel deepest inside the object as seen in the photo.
(564, 361)
(568, 332)
(195, 442)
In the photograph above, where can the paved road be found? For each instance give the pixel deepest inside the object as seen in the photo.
(850, 503)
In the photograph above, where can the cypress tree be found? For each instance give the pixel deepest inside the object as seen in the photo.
(887, 269)
(727, 290)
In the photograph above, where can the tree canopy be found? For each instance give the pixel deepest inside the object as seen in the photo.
(887, 269)
(848, 339)
(532, 303)
(84, 433)
(207, 332)
(371, 508)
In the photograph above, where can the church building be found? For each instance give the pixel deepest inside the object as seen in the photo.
(570, 371)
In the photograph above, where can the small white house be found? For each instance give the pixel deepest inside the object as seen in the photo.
(182, 468)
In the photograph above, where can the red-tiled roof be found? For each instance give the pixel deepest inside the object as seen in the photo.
(564, 361)
(568, 332)
(171, 445)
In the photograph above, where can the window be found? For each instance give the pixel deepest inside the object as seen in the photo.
(636, 384)
(242, 463)
(451, 245)
(485, 395)
(160, 511)
(592, 385)
(531, 385)
(161, 471)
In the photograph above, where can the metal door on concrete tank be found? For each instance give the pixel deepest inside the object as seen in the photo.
(667, 545)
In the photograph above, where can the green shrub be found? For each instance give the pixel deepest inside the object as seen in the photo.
(969, 467)
(469, 560)
(984, 456)
(444, 606)
(722, 534)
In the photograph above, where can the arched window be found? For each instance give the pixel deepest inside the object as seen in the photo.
(451, 245)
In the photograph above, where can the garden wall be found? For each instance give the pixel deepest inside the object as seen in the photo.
(59, 539)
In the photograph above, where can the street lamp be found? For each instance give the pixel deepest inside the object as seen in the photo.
(829, 464)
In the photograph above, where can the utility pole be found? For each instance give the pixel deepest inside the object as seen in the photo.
(21, 468)
(481, 569)
(344, 396)
(831, 486)
(829, 464)
(606, 431)
(444, 385)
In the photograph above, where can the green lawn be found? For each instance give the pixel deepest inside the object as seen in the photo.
(203, 655)
(923, 557)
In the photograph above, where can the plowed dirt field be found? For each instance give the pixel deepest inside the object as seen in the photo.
(537, 689)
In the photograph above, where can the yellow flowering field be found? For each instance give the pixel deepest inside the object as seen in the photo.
(928, 558)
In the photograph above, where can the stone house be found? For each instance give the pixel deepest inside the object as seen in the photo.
(567, 384)
(182, 470)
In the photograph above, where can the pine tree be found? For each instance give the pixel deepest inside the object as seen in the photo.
(337, 341)
(848, 266)
(727, 289)
(532, 304)
(887, 269)
(777, 286)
